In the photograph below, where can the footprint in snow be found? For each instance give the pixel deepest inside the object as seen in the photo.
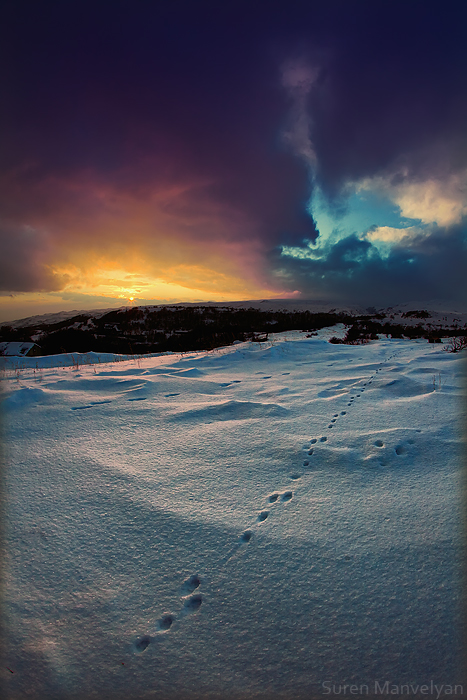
(190, 585)
(379, 443)
(246, 536)
(323, 439)
(262, 516)
(268, 377)
(89, 405)
(313, 441)
(142, 643)
(169, 395)
(295, 476)
(343, 413)
(140, 398)
(285, 496)
(165, 623)
(192, 604)
(400, 450)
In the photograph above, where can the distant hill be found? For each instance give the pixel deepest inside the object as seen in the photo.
(187, 327)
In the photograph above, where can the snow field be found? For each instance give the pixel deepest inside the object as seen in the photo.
(255, 520)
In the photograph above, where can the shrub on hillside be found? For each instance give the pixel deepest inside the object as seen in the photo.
(359, 335)
(457, 344)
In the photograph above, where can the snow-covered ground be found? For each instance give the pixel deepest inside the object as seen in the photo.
(253, 521)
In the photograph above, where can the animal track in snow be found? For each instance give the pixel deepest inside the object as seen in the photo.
(142, 643)
(192, 601)
(89, 405)
(190, 585)
(284, 496)
(140, 398)
(169, 395)
(165, 623)
(192, 604)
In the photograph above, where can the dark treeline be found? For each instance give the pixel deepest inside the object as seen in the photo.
(141, 330)
(364, 329)
(179, 329)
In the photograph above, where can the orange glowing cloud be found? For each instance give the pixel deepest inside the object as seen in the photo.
(164, 241)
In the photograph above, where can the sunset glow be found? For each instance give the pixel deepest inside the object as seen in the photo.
(196, 167)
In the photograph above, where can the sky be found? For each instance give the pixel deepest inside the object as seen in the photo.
(160, 152)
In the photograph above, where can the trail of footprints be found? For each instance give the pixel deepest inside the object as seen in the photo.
(191, 598)
(191, 603)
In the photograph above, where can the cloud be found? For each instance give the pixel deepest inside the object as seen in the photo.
(353, 270)
(395, 236)
(298, 79)
(177, 238)
(25, 260)
(432, 200)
